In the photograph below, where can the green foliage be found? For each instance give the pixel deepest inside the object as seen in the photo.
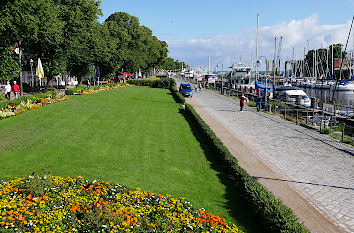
(9, 67)
(136, 47)
(322, 59)
(170, 64)
(154, 82)
(69, 40)
(164, 83)
(143, 82)
(270, 211)
(179, 98)
(252, 104)
(326, 131)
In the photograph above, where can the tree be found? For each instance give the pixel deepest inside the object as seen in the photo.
(80, 30)
(322, 60)
(37, 25)
(9, 66)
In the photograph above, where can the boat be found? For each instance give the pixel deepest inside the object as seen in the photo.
(344, 85)
(241, 75)
(294, 95)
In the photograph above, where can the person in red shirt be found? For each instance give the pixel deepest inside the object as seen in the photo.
(243, 99)
(15, 89)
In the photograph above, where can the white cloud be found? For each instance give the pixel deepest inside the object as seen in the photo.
(295, 35)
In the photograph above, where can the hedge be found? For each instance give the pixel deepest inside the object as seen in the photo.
(5, 103)
(153, 82)
(269, 210)
(179, 98)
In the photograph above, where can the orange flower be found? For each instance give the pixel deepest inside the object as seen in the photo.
(75, 208)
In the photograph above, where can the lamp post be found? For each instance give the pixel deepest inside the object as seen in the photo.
(266, 80)
(31, 63)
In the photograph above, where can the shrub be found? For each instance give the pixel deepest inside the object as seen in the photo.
(154, 82)
(179, 98)
(326, 131)
(143, 82)
(270, 211)
(252, 104)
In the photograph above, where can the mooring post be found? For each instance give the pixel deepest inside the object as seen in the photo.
(343, 129)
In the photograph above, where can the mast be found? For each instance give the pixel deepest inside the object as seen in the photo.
(303, 65)
(274, 61)
(208, 64)
(292, 64)
(332, 58)
(257, 49)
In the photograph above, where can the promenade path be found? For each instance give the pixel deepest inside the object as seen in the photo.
(311, 173)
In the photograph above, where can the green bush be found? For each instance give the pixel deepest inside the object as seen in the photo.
(179, 98)
(326, 131)
(2, 97)
(154, 82)
(270, 211)
(143, 81)
(252, 104)
(164, 83)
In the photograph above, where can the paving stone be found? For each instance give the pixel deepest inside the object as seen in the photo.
(298, 153)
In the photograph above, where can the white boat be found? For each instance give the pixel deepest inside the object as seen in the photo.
(241, 75)
(344, 86)
(293, 95)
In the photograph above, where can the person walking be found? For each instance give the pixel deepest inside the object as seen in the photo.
(259, 102)
(7, 90)
(243, 99)
(15, 89)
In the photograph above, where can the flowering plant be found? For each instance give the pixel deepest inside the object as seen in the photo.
(29, 104)
(56, 204)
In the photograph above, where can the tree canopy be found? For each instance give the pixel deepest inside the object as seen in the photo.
(68, 38)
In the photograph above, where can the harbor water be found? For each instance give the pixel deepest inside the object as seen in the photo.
(345, 98)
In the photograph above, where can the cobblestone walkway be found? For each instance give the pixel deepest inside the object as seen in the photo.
(318, 167)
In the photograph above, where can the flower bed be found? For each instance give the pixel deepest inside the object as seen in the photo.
(80, 90)
(29, 104)
(52, 203)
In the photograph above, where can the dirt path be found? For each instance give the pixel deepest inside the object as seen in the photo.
(312, 218)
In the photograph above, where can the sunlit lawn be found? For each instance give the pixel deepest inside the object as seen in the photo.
(134, 136)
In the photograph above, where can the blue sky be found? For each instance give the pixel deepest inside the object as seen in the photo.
(187, 25)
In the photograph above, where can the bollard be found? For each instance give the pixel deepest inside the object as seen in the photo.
(285, 113)
(343, 129)
(307, 117)
(297, 116)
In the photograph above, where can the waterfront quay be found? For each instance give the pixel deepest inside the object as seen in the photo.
(316, 167)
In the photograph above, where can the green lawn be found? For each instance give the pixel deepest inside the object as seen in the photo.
(135, 136)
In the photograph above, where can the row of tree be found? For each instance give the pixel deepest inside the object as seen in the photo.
(69, 39)
(318, 63)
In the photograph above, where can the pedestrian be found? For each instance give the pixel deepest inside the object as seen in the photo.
(243, 99)
(200, 86)
(15, 89)
(7, 90)
(259, 102)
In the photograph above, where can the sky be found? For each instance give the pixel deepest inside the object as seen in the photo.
(225, 30)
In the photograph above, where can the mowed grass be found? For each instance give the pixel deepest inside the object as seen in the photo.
(135, 136)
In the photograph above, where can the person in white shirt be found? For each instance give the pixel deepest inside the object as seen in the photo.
(7, 90)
